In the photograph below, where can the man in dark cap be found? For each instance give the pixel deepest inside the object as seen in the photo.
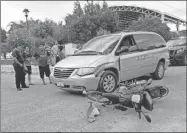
(18, 64)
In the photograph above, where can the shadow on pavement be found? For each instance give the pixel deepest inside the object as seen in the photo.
(69, 93)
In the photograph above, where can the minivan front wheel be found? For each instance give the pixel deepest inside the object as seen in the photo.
(108, 82)
(160, 71)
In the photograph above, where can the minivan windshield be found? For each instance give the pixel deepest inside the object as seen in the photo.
(100, 45)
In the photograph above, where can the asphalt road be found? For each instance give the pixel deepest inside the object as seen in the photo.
(47, 109)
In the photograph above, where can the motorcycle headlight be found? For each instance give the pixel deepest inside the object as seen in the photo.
(86, 71)
(180, 51)
(135, 98)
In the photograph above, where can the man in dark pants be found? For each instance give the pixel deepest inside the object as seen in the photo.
(18, 65)
(27, 60)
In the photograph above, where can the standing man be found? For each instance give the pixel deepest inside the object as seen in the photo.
(54, 51)
(42, 57)
(27, 60)
(61, 54)
(18, 64)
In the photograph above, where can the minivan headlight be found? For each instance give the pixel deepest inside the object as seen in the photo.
(86, 71)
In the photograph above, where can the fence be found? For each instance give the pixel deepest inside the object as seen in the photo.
(10, 69)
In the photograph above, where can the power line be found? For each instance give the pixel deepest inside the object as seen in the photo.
(172, 6)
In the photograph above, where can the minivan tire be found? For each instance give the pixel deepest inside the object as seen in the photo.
(103, 78)
(156, 74)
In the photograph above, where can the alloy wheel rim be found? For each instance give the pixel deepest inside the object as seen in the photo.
(109, 83)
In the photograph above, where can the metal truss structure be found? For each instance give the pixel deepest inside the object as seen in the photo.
(127, 14)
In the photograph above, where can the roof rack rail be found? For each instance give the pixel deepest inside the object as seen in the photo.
(126, 30)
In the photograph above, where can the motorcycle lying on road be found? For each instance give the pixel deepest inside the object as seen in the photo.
(131, 96)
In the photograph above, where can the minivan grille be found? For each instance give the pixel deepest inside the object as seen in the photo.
(63, 73)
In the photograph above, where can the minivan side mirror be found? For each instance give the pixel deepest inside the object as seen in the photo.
(76, 51)
(123, 49)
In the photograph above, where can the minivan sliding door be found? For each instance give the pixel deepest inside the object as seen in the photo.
(130, 64)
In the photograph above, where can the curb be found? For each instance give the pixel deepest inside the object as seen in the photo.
(10, 69)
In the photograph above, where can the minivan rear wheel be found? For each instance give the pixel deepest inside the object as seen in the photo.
(160, 71)
(108, 82)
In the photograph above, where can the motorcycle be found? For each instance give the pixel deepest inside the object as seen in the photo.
(134, 96)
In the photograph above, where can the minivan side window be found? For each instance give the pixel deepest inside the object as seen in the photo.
(149, 41)
(127, 42)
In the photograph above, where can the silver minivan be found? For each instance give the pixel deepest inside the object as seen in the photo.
(105, 61)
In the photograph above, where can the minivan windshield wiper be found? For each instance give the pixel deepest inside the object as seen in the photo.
(91, 51)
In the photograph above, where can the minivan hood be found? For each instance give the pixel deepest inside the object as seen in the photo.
(176, 47)
(78, 61)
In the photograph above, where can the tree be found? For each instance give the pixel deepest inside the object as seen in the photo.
(3, 35)
(77, 9)
(15, 25)
(80, 29)
(49, 40)
(105, 5)
(16, 36)
(43, 29)
(182, 33)
(38, 30)
(57, 35)
(5, 48)
(174, 35)
(151, 24)
(80, 26)
(101, 32)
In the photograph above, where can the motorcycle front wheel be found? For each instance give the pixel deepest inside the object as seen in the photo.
(96, 96)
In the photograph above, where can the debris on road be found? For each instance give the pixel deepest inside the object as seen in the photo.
(92, 112)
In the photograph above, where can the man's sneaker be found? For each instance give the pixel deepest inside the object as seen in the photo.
(19, 89)
(25, 86)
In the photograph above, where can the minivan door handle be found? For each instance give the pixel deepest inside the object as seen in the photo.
(139, 58)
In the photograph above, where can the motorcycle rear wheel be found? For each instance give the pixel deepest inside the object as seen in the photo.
(163, 91)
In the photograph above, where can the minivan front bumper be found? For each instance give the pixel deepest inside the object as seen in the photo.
(167, 64)
(77, 83)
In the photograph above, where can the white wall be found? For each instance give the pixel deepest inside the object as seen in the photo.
(69, 48)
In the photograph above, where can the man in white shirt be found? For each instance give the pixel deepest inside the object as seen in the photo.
(54, 51)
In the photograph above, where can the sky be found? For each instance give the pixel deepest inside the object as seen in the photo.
(57, 10)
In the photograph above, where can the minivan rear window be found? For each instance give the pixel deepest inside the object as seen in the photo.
(149, 41)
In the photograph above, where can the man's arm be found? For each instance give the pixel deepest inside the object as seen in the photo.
(15, 59)
(35, 59)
